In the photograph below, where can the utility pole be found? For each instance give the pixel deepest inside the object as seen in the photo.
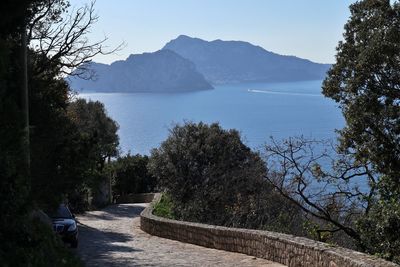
(110, 176)
(25, 99)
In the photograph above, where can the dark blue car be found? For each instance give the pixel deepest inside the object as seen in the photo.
(64, 224)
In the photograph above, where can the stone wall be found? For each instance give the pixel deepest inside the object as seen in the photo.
(286, 249)
(136, 198)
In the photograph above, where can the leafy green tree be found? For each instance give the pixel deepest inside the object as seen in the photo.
(97, 127)
(25, 241)
(379, 229)
(208, 172)
(98, 142)
(56, 149)
(57, 156)
(14, 182)
(212, 177)
(131, 175)
(365, 81)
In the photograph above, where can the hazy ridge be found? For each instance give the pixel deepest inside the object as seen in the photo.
(237, 61)
(161, 71)
(191, 64)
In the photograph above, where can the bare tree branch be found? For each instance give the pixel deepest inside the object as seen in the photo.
(63, 39)
(321, 181)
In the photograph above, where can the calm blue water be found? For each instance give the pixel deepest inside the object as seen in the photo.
(258, 111)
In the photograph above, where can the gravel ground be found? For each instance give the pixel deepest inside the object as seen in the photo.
(112, 237)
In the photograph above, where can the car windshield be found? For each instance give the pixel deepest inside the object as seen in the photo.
(62, 212)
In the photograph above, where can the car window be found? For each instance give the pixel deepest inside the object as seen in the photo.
(62, 212)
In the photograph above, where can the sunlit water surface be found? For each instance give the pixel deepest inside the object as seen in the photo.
(258, 111)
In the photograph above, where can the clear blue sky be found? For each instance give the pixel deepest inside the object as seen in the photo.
(305, 28)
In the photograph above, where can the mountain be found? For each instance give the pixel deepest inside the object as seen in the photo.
(161, 71)
(236, 61)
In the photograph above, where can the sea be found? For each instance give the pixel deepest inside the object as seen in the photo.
(258, 110)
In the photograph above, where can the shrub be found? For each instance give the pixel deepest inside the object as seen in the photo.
(131, 175)
(34, 244)
(212, 177)
(164, 208)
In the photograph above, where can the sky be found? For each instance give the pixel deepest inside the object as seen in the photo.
(308, 29)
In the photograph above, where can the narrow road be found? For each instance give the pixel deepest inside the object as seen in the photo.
(112, 237)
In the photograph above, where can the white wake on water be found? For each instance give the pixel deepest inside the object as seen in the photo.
(282, 93)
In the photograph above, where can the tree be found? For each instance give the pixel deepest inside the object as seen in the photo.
(93, 123)
(57, 156)
(26, 241)
(354, 189)
(365, 81)
(58, 34)
(15, 14)
(56, 148)
(131, 175)
(212, 177)
(332, 188)
(99, 142)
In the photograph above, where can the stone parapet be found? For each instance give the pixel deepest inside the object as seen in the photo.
(286, 249)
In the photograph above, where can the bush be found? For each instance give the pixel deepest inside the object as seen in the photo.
(380, 228)
(35, 244)
(131, 175)
(212, 177)
(164, 208)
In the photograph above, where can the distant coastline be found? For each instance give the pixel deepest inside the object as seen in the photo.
(188, 64)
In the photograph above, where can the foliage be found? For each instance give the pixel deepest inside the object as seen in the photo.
(206, 171)
(97, 141)
(69, 141)
(164, 208)
(57, 151)
(131, 175)
(58, 33)
(212, 177)
(275, 213)
(380, 230)
(25, 243)
(14, 13)
(43, 248)
(14, 185)
(79, 200)
(57, 158)
(325, 184)
(355, 189)
(365, 81)
(99, 130)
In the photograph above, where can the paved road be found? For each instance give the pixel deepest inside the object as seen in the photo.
(112, 237)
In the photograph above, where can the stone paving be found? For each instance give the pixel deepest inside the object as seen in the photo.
(112, 237)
